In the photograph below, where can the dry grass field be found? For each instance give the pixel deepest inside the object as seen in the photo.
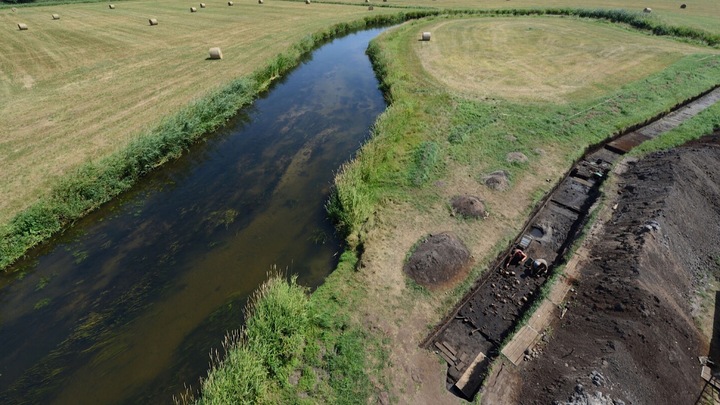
(82, 87)
(701, 14)
(541, 59)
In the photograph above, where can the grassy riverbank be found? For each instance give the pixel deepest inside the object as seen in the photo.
(296, 346)
(357, 336)
(98, 146)
(463, 119)
(453, 138)
(78, 166)
(438, 138)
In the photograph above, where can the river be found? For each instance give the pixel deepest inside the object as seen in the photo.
(126, 305)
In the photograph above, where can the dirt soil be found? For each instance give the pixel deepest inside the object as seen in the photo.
(468, 206)
(630, 333)
(439, 260)
(404, 316)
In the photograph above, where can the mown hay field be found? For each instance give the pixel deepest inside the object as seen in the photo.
(84, 86)
(540, 58)
(699, 14)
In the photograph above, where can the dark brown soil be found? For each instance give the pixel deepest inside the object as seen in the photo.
(438, 260)
(497, 180)
(468, 206)
(629, 332)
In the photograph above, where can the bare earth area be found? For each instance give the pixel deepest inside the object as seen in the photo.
(630, 333)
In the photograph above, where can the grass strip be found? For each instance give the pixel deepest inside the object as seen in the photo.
(706, 122)
(294, 348)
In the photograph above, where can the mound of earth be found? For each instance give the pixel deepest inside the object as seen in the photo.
(629, 331)
(498, 180)
(468, 206)
(438, 260)
(516, 157)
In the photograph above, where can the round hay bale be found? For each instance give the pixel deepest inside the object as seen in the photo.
(111, 6)
(202, 5)
(260, 2)
(56, 16)
(498, 180)
(516, 157)
(371, 8)
(193, 10)
(307, 1)
(153, 21)
(438, 260)
(215, 53)
(468, 206)
(647, 10)
(230, 3)
(14, 10)
(22, 27)
(425, 36)
(683, 5)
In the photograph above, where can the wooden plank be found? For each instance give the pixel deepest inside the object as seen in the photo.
(445, 351)
(447, 359)
(450, 348)
(515, 350)
(466, 384)
(559, 292)
(705, 373)
(582, 181)
(542, 316)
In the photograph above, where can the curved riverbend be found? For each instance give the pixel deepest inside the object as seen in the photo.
(125, 306)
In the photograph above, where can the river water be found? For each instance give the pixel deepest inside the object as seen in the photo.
(126, 306)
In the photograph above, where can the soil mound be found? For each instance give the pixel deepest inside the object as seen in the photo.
(631, 319)
(498, 180)
(468, 206)
(516, 157)
(438, 260)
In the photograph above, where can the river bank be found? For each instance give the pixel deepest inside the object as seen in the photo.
(436, 149)
(418, 158)
(97, 178)
(83, 189)
(126, 305)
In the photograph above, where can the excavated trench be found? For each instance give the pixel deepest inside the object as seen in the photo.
(470, 337)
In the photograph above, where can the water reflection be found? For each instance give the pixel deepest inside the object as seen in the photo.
(125, 306)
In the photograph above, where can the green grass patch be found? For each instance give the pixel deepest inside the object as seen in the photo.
(293, 346)
(424, 161)
(705, 123)
(426, 125)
